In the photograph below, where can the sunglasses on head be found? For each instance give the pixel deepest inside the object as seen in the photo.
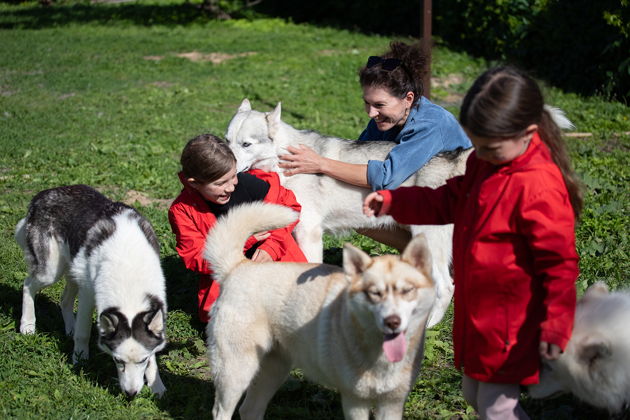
(388, 64)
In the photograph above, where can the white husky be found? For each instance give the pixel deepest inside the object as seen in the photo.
(595, 366)
(110, 256)
(257, 138)
(359, 329)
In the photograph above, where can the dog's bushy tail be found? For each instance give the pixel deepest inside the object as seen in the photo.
(20, 233)
(559, 117)
(224, 245)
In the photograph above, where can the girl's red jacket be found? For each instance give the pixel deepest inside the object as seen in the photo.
(191, 219)
(514, 257)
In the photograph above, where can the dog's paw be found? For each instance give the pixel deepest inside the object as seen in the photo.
(27, 328)
(69, 325)
(79, 356)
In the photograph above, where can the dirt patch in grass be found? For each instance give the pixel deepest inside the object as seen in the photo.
(6, 91)
(162, 84)
(199, 57)
(328, 53)
(132, 197)
(215, 58)
(448, 83)
(616, 142)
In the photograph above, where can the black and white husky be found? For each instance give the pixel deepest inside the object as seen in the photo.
(110, 256)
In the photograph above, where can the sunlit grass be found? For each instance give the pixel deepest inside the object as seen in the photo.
(107, 95)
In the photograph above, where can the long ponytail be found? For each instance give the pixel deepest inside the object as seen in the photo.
(551, 134)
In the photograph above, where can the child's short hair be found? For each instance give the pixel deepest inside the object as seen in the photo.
(207, 158)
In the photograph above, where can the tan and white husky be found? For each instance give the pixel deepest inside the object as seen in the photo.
(359, 329)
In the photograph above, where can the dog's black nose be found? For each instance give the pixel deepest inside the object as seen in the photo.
(131, 394)
(393, 322)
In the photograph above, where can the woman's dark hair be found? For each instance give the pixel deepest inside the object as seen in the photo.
(206, 158)
(502, 103)
(404, 77)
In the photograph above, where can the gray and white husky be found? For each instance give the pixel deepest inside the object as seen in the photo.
(257, 138)
(110, 256)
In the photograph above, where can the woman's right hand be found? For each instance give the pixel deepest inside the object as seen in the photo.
(301, 160)
(372, 204)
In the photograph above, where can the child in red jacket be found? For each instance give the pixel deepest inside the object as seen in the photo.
(211, 188)
(514, 257)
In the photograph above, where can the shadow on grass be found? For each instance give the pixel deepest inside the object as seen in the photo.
(38, 17)
(181, 290)
(47, 315)
(192, 398)
(186, 396)
(181, 285)
(567, 407)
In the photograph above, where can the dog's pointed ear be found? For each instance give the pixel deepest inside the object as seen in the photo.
(155, 322)
(417, 254)
(245, 106)
(274, 121)
(277, 111)
(355, 261)
(107, 324)
(594, 349)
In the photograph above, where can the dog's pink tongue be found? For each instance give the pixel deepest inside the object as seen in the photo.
(394, 347)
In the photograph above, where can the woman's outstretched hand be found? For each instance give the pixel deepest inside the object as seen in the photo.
(301, 160)
(372, 204)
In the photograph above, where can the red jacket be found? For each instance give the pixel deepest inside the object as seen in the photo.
(514, 257)
(191, 219)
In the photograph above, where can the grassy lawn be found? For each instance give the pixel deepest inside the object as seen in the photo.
(107, 95)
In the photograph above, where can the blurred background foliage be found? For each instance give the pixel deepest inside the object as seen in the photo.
(581, 46)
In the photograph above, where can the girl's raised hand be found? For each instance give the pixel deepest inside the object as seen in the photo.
(549, 351)
(372, 204)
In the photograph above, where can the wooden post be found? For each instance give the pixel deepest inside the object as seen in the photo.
(426, 44)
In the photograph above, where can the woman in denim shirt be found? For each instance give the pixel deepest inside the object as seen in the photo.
(392, 93)
(428, 130)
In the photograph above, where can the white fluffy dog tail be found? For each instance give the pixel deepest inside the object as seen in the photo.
(224, 245)
(559, 117)
(20, 233)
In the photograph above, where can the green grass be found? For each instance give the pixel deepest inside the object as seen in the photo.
(98, 94)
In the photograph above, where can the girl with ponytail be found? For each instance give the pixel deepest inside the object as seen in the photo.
(514, 258)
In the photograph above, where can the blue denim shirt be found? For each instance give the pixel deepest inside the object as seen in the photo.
(429, 130)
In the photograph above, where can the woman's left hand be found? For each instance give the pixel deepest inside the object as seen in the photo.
(301, 160)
